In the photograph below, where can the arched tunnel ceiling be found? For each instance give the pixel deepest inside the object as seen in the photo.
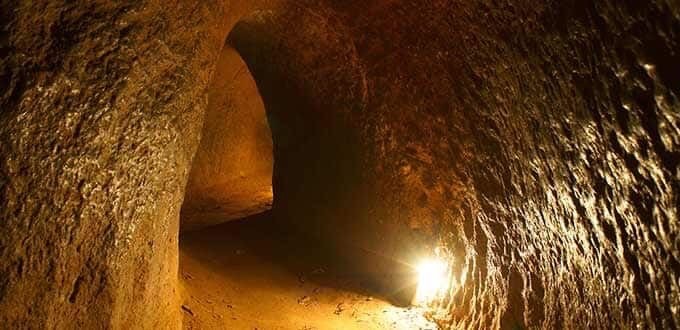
(536, 140)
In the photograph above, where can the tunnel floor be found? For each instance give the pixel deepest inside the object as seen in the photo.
(246, 275)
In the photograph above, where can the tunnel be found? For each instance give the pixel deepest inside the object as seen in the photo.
(320, 164)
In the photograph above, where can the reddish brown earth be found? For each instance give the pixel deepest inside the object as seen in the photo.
(249, 275)
(231, 175)
(537, 142)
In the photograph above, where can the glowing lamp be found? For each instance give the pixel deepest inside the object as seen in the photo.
(433, 281)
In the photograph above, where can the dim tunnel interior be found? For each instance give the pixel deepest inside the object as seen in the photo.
(323, 164)
(242, 263)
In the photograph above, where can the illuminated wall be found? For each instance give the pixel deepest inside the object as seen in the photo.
(536, 143)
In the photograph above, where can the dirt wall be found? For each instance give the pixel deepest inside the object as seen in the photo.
(101, 109)
(536, 140)
(231, 175)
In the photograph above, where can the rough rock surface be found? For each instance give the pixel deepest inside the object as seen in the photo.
(101, 106)
(538, 141)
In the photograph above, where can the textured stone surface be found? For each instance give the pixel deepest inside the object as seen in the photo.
(101, 106)
(537, 140)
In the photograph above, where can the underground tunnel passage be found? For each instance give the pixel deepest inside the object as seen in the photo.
(382, 164)
(254, 271)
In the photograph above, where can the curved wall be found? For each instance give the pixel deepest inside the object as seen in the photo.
(101, 109)
(536, 140)
(231, 173)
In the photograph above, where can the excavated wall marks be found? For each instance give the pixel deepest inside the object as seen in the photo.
(538, 139)
(101, 110)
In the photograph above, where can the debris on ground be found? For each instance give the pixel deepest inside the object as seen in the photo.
(305, 301)
(187, 310)
(339, 308)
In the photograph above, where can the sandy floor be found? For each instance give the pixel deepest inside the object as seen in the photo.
(243, 275)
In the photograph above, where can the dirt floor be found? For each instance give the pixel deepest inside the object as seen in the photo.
(246, 275)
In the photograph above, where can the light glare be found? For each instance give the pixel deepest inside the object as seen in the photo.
(432, 281)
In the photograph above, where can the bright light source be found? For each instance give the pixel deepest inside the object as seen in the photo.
(433, 281)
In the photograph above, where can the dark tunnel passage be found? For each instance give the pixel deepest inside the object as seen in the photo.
(321, 164)
(244, 264)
